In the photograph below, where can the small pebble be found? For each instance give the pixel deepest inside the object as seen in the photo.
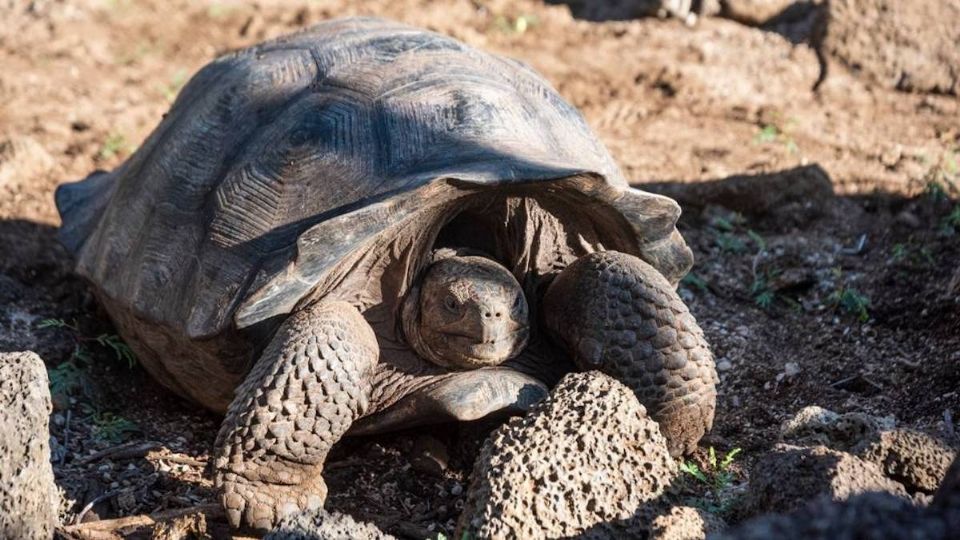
(456, 490)
(724, 365)
(791, 369)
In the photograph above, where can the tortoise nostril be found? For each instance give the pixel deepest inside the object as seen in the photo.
(498, 315)
(486, 314)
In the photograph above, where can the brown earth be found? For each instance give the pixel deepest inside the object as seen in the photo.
(826, 237)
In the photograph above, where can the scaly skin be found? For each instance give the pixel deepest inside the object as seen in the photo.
(617, 314)
(308, 387)
(468, 313)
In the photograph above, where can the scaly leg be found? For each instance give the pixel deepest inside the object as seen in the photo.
(309, 385)
(617, 314)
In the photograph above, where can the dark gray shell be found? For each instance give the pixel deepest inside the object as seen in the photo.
(278, 159)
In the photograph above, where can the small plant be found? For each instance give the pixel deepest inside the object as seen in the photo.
(920, 256)
(115, 145)
(112, 428)
(113, 342)
(122, 351)
(724, 230)
(728, 243)
(935, 191)
(942, 176)
(770, 133)
(693, 280)
(761, 292)
(716, 477)
(951, 223)
(898, 253)
(66, 379)
(851, 301)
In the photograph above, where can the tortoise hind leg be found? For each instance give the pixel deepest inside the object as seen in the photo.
(307, 388)
(617, 314)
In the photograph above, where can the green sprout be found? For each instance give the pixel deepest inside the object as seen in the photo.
(113, 428)
(693, 280)
(716, 477)
(112, 342)
(851, 301)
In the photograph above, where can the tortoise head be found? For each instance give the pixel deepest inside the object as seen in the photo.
(467, 312)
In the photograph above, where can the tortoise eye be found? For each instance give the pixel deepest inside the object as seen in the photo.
(451, 304)
(517, 301)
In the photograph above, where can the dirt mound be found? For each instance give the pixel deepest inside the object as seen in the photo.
(909, 46)
(789, 477)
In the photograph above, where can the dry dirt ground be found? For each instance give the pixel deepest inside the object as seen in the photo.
(825, 226)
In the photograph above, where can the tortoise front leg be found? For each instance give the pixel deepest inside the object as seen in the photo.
(307, 388)
(617, 314)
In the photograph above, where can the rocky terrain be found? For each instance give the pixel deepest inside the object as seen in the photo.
(813, 146)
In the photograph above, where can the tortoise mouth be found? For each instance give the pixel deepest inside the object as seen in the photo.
(478, 352)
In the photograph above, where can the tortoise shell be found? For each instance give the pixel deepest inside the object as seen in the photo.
(279, 161)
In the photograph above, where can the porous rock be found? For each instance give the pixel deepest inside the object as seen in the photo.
(657, 520)
(913, 458)
(917, 460)
(908, 46)
(28, 496)
(878, 516)
(325, 525)
(790, 476)
(685, 523)
(813, 426)
(585, 459)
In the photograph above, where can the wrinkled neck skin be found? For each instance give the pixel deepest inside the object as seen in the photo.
(467, 312)
(532, 233)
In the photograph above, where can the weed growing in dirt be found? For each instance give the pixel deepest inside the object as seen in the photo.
(110, 427)
(115, 145)
(851, 301)
(112, 342)
(717, 477)
(693, 280)
(951, 223)
(770, 133)
(761, 289)
(898, 253)
(66, 379)
(724, 233)
(943, 177)
(763, 295)
(917, 256)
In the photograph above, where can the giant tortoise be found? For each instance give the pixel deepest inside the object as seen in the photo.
(366, 226)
